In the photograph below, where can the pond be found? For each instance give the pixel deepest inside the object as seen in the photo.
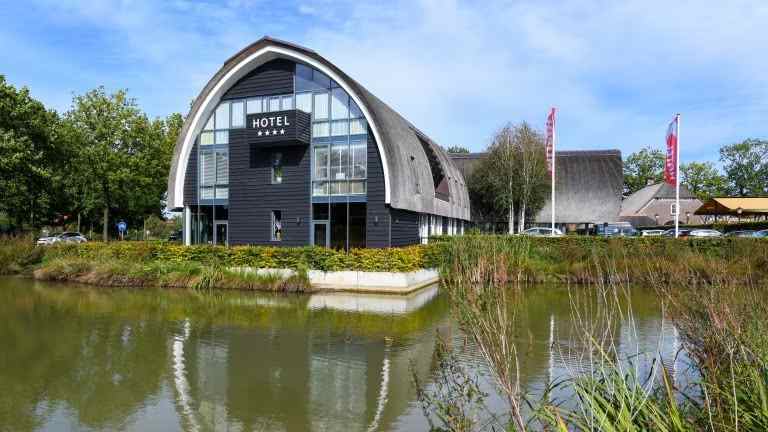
(75, 358)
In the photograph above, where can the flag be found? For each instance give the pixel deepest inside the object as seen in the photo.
(670, 167)
(550, 140)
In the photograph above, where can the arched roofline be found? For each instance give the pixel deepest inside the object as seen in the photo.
(234, 69)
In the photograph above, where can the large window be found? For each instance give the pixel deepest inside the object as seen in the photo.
(277, 225)
(277, 168)
(214, 174)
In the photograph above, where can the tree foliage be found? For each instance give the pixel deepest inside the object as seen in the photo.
(643, 167)
(746, 167)
(703, 179)
(512, 176)
(102, 158)
(458, 149)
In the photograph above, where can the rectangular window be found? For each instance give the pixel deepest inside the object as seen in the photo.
(222, 137)
(359, 154)
(339, 161)
(357, 187)
(320, 188)
(206, 192)
(222, 167)
(339, 128)
(206, 138)
(304, 102)
(209, 124)
(357, 127)
(673, 209)
(321, 163)
(277, 168)
(222, 193)
(277, 225)
(339, 104)
(320, 130)
(274, 104)
(207, 168)
(320, 106)
(254, 106)
(238, 114)
(287, 103)
(222, 116)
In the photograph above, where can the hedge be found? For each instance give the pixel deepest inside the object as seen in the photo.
(390, 260)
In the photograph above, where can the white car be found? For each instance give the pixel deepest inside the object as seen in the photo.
(67, 237)
(652, 233)
(542, 232)
(705, 233)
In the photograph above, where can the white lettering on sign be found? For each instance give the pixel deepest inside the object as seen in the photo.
(273, 121)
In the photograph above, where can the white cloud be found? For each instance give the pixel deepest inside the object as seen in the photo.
(617, 71)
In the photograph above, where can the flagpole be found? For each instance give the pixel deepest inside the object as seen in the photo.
(677, 176)
(554, 123)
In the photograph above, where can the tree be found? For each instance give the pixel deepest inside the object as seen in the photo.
(746, 167)
(30, 157)
(458, 149)
(643, 167)
(121, 157)
(702, 179)
(512, 176)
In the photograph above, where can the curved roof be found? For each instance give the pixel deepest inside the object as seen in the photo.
(399, 142)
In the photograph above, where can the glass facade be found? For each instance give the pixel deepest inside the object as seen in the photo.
(338, 154)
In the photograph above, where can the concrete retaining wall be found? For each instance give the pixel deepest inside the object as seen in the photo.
(359, 281)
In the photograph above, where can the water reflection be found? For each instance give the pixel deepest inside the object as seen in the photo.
(81, 358)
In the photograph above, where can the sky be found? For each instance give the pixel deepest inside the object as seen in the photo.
(617, 71)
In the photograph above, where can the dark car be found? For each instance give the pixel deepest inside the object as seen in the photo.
(741, 233)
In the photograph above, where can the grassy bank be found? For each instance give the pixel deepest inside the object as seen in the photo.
(506, 259)
(467, 259)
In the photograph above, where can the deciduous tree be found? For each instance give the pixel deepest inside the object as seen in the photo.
(746, 167)
(643, 167)
(703, 179)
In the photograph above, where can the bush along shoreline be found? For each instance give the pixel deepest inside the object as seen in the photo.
(465, 259)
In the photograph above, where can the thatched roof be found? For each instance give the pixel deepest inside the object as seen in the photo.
(589, 185)
(398, 140)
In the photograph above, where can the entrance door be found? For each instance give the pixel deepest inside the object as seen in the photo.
(320, 233)
(221, 233)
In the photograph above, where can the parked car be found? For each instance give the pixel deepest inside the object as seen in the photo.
(705, 233)
(617, 230)
(542, 232)
(66, 237)
(761, 234)
(741, 233)
(652, 233)
(683, 232)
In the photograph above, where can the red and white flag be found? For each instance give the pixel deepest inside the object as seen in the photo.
(670, 168)
(550, 140)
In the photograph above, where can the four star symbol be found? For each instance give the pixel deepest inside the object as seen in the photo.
(272, 132)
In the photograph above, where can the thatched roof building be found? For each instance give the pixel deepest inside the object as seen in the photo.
(653, 205)
(588, 185)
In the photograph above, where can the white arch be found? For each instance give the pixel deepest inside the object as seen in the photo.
(230, 78)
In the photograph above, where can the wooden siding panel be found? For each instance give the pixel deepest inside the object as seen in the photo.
(377, 232)
(271, 78)
(405, 227)
(252, 196)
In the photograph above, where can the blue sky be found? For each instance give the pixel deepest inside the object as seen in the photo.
(617, 71)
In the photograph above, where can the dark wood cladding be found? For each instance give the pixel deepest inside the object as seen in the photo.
(190, 179)
(252, 196)
(272, 78)
(278, 127)
(405, 227)
(377, 213)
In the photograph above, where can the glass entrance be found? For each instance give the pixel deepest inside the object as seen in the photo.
(221, 233)
(320, 233)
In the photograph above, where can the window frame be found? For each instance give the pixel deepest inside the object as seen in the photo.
(276, 234)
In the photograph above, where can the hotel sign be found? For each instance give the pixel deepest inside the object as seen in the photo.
(279, 126)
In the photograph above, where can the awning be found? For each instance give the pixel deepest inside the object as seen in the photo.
(734, 206)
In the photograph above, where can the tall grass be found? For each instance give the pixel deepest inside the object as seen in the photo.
(719, 310)
(18, 253)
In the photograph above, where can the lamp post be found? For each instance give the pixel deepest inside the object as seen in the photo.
(656, 216)
(738, 212)
(687, 217)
